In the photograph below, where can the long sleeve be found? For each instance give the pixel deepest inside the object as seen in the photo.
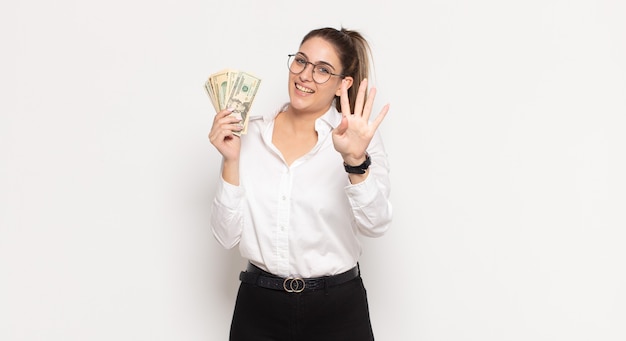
(227, 214)
(370, 199)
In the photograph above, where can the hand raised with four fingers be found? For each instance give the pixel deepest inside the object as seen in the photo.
(352, 136)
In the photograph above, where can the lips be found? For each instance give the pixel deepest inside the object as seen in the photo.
(304, 89)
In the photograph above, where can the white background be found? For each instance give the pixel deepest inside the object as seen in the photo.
(505, 137)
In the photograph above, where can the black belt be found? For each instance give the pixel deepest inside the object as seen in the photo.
(264, 279)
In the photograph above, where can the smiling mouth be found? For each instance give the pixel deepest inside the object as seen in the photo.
(303, 89)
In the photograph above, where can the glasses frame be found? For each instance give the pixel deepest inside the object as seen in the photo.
(314, 66)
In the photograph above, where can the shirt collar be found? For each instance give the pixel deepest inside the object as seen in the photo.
(330, 119)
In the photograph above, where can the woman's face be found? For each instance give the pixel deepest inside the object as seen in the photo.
(304, 93)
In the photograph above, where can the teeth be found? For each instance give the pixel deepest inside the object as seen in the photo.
(303, 89)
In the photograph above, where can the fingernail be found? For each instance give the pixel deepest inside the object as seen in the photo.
(231, 109)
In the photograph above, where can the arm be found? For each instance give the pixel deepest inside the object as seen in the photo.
(226, 217)
(354, 136)
(369, 198)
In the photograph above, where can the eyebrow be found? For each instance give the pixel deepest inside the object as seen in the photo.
(319, 62)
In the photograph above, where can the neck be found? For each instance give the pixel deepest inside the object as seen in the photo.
(299, 120)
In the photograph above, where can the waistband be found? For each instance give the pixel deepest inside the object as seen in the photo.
(264, 279)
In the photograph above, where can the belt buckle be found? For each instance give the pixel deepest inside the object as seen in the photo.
(294, 284)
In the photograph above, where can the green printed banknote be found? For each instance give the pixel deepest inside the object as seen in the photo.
(234, 89)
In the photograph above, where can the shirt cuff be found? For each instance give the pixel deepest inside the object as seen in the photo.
(363, 193)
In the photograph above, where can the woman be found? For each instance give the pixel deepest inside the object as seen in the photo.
(296, 191)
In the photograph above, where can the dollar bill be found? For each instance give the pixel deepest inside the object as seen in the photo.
(242, 95)
(221, 83)
(230, 88)
(208, 87)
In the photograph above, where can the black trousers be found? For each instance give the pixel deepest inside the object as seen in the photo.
(338, 313)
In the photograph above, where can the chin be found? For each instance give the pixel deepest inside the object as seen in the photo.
(299, 102)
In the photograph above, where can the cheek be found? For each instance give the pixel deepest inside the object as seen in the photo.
(290, 82)
(330, 94)
(337, 88)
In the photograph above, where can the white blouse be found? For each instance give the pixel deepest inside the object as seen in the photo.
(301, 219)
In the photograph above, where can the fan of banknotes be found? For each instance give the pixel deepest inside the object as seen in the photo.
(234, 89)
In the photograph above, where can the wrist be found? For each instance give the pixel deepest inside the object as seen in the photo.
(358, 168)
(354, 159)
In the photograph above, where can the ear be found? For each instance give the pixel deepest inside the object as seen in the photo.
(348, 80)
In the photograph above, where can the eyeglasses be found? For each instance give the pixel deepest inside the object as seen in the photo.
(297, 63)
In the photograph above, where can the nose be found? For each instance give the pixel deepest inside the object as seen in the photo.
(305, 74)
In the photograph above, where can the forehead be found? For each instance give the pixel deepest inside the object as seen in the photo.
(317, 50)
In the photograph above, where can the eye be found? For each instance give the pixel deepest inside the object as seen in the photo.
(301, 60)
(322, 70)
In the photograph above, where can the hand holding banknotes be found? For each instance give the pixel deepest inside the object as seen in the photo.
(231, 92)
(233, 89)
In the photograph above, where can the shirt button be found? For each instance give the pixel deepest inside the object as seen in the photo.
(284, 198)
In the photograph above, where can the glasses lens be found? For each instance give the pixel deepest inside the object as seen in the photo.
(321, 74)
(296, 63)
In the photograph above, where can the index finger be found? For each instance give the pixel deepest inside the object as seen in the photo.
(345, 101)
